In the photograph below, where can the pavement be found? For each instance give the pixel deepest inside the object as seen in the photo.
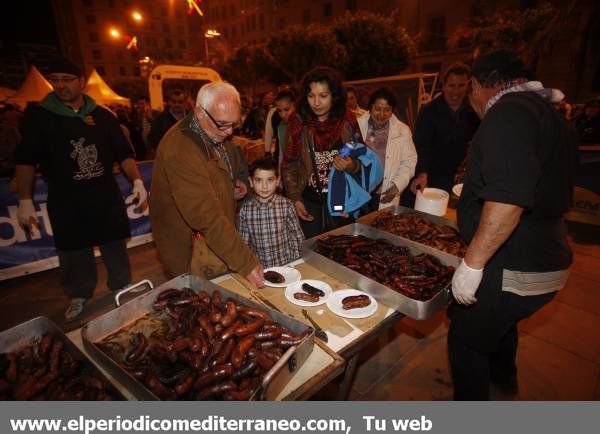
(559, 350)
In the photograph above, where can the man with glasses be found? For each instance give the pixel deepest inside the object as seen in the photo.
(195, 185)
(75, 144)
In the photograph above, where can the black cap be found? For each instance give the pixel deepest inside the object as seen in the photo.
(64, 66)
(501, 64)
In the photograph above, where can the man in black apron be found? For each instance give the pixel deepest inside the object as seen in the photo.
(518, 186)
(75, 143)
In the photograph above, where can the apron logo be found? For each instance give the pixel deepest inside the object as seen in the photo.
(87, 160)
(89, 120)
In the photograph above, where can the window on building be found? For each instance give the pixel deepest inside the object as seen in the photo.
(97, 54)
(90, 19)
(122, 70)
(306, 16)
(166, 27)
(111, 3)
(327, 10)
(233, 32)
(137, 72)
(180, 29)
(94, 37)
(100, 70)
(168, 43)
(223, 12)
(232, 10)
(351, 5)
(88, 3)
(261, 22)
(133, 54)
(253, 22)
(182, 45)
(119, 54)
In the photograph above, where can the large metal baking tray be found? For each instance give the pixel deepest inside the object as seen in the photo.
(413, 308)
(368, 219)
(130, 312)
(23, 334)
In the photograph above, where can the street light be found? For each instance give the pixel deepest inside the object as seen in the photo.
(136, 16)
(114, 32)
(209, 34)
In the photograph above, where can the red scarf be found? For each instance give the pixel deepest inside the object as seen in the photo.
(326, 133)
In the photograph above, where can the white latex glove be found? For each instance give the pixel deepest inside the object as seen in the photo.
(465, 283)
(26, 214)
(140, 191)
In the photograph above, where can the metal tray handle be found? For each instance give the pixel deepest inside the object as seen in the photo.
(275, 369)
(136, 287)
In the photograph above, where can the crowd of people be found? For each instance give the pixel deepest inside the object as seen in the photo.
(327, 161)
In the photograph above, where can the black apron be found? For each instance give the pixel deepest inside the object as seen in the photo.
(85, 205)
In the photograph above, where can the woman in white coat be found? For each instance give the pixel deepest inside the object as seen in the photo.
(392, 141)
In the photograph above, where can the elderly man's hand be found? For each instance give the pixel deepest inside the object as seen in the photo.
(240, 190)
(256, 277)
(465, 283)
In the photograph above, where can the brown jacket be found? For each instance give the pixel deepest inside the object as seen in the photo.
(191, 192)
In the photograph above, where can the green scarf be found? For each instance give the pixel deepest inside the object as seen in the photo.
(53, 104)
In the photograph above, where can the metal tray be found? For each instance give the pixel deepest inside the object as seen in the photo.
(119, 318)
(397, 210)
(413, 308)
(23, 334)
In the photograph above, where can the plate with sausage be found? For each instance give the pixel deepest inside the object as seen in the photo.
(278, 277)
(352, 303)
(308, 292)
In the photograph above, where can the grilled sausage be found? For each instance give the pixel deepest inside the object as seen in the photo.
(219, 372)
(311, 298)
(312, 290)
(274, 277)
(355, 301)
(239, 352)
(246, 329)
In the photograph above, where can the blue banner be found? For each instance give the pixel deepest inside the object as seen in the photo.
(23, 253)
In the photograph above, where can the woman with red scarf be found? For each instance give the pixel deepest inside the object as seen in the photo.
(317, 132)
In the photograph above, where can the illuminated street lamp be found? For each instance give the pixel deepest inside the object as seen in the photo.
(114, 33)
(209, 34)
(136, 16)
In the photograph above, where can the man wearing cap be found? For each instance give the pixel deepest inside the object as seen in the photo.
(518, 185)
(75, 143)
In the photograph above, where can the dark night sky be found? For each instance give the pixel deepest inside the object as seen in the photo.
(28, 22)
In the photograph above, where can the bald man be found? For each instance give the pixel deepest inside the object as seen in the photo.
(194, 191)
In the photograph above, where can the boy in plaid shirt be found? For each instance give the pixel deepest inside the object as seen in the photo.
(268, 221)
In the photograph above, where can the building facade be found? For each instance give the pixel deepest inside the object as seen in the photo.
(84, 30)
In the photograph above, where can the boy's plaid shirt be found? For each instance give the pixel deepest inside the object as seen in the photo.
(271, 229)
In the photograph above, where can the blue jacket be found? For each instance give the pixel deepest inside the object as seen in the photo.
(348, 192)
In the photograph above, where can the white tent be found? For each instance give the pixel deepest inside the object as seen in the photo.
(35, 88)
(97, 88)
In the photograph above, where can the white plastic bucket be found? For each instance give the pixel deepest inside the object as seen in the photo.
(432, 201)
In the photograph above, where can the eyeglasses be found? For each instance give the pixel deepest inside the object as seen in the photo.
(221, 126)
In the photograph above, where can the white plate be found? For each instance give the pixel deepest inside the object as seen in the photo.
(297, 287)
(457, 189)
(290, 274)
(335, 304)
